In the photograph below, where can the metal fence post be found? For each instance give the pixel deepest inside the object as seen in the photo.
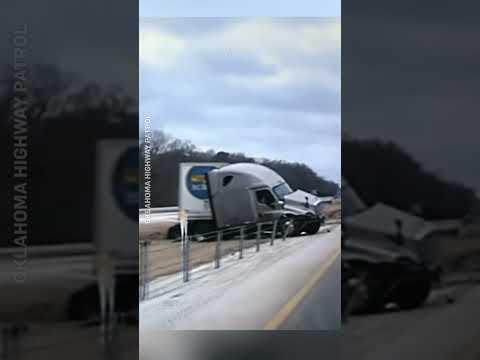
(145, 270)
(274, 232)
(285, 230)
(242, 236)
(183, 218)
(186, 258)
(259, 233)
(140, 271)
(184, 261)
(217, 249)
(108, 340)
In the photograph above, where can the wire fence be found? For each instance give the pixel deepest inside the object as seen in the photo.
(160, 258)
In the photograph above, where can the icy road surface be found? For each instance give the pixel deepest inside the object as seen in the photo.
(242, 294)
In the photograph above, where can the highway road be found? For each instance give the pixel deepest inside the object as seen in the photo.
(439, 330)
(261, 291)
(320, 308)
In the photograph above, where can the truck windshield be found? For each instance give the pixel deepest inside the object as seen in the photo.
(282, 190)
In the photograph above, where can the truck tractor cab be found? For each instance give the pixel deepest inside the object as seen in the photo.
(250, 193)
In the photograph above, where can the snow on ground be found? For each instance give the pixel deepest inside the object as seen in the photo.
(242, 294)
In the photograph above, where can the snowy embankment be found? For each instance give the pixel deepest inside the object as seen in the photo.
(242, 294)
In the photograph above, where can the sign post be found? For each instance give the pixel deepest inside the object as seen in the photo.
(105, 267)
(185, 244)
(115, 222)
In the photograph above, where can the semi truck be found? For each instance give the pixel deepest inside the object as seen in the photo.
(219, 196)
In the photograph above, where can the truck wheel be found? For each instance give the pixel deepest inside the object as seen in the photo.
(297, 225)
(297, 228)
(174, 232)
(375, 300)
(84, 304)
(374, 287)
(250, 232)
(413, 295)
(198, 228)
(313, 226)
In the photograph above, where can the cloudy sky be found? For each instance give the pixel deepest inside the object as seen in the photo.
(412, 77)
(104, 52)
(224, 8)
(268, 87)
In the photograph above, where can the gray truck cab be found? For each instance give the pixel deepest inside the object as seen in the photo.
(247, 192)
(242, 193)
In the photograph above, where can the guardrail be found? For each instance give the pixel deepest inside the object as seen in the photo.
(157, 259)
(51, 250)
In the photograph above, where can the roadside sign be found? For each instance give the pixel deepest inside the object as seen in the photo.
(125, 183)
(116, 197)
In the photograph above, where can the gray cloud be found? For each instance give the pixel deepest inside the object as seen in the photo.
(96, 41)
(235, 64)
(409, 76)
(247, 86)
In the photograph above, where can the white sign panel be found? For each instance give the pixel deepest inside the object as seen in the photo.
(116, 197)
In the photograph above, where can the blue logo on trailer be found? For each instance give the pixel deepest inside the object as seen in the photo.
(125, 183)
(197, 181)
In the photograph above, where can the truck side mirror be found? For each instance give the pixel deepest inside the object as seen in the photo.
(281, 203)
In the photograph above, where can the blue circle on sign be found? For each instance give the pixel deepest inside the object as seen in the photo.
(125, 183)
(197, 181)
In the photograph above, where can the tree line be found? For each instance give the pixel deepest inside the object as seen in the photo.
(384, 172)
(167, 152)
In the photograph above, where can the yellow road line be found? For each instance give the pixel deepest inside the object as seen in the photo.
(290, 306)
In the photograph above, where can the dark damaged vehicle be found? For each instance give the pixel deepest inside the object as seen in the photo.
(381, 260)
(380, 273)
